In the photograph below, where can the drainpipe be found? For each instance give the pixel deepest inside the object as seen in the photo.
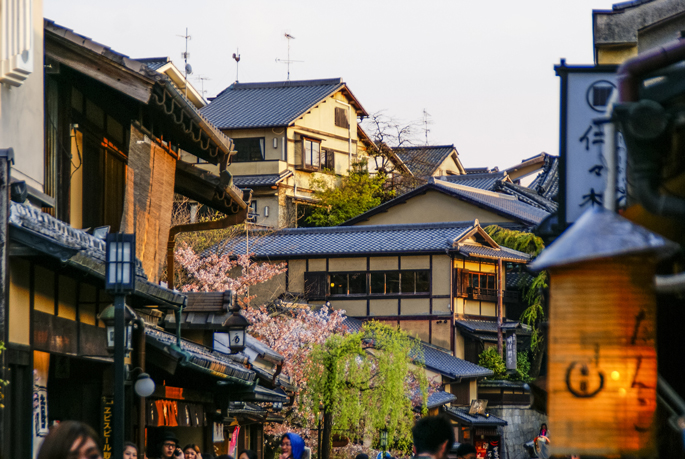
(500, 340)
(192, 227)
(141, 400)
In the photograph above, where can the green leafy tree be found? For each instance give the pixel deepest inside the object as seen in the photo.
(356, 193)
(534, 313)
(491, 360)
(364, 382)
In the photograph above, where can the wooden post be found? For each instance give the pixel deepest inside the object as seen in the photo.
(500, 287)
(6, 158)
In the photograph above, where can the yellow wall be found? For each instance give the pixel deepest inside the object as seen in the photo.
(296, 269)
(441, 333)
(418, 328)
(44, 298)
(317, 264)
(442, 274)
(459, 345)
(347, 264)
(416, 262)
(87, 306)
(383, 263)
(383, 307)
(19, 306)
(415, 306)
(272, 288)
(615, 55)
(353, 308)
(67, 298)
(433, 207)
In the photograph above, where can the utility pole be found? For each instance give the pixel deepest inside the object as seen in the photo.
(6, 159)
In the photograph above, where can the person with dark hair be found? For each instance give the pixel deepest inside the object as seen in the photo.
(130, 450)
(247, 454)
(192, 451)
(466, 451)
(70, 439)
(168, 447)
(362, 456)
(433, 437)
(543, 430)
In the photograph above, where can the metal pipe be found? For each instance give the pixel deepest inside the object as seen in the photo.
(141, 400)
(119, 409)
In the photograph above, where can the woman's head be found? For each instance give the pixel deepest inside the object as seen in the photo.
(292, 445)
(130, 450)
(191, 451)
(70, 439)
(248, 454)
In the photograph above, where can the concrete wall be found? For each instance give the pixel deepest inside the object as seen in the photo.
(22, 114)
(524, 426)
(433, 207)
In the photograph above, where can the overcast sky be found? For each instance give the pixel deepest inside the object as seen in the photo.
(483, 70)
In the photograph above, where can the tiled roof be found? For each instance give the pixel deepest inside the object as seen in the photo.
(337, 240)
(489, 326)
(546, 184)
(479, 170)
(484, 181)
(252, 105)
(504, 253)
(77, 248)
(475, 419)
(437, 360)
(501, 204)
(195, 355)
(262, 349)
(527, 195)
(423, 161)
(247, 181)
(518, 280)
(439, 398)
(206, 302)
(155, 63)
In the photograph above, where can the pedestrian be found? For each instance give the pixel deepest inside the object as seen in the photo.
(292, 446)
(70, 439)
(543, 430)
(168, 447)
(247, 454)
(542, 447)
(362, 456)
(130, 450)
(466, 451)
(192, 451)
(433, 437)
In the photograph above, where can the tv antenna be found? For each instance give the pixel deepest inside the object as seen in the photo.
(236, 56)
(426, 122)
(202, 83)
(187, 70)
(288, 61)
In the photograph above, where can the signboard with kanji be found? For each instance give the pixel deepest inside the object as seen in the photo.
(511, 350)
(585, 95)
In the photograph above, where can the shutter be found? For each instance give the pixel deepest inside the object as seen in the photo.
(315, 286)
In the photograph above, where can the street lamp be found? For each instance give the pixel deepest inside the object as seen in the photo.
(384, 441)
(144, 385)
(236, 325)
(120, 280)
(107, 316)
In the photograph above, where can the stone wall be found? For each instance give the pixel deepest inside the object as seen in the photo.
(523, 426)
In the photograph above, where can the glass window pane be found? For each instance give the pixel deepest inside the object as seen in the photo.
(392, 282)
(338, 284)
(357, 283)
(307, 146)
(315, 154)
(423, 282)
(407, 281)
(378, 283)
(474, 280)
(491, 282)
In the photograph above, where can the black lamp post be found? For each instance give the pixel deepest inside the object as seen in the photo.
(384, 441)
(120, 280)
(236, 325)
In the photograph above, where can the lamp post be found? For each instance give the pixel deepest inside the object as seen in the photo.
(384, 441)
(120, 279)
(236, 325)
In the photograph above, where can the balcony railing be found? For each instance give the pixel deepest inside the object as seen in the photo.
(490, 294)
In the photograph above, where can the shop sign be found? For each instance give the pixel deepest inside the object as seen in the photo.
(511, 350)
(107, 423)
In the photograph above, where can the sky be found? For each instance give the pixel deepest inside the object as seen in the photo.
(482, 70)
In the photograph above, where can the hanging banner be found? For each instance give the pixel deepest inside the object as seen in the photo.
(41, 369)
(107, 416)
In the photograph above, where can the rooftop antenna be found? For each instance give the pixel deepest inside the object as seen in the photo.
(236, 56)
(202, 83)
(426, 122)
(187, 70)
(287, 61)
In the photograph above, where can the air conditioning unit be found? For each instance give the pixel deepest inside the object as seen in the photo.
(16, 41)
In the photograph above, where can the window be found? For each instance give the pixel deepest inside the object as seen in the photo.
(328, 159)
(312, 153)
(357, 283)
(315, 286)
(341, 118)
(104, 175)
(338, 284)
(250, 149)
(381, 283)
(252, 214)
(476, 285)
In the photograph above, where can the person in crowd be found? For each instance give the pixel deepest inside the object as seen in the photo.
(247, 454)
(543, 431)
(292, 446)
(168, 447)
(70, 439)
(130, 450)
(542, 446)
(466, 451)
(433, 437)
(224, 456)
(362, 456)
(192, 451)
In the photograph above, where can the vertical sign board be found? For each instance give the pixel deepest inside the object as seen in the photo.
(107, 413)
(511, 350)
(585, 94)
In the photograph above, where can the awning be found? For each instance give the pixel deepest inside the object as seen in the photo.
(200, 358)
(480, 420)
